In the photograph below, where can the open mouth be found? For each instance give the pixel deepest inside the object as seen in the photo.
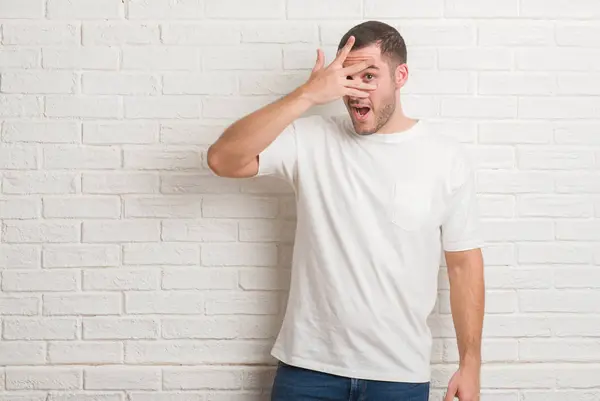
(361, 113)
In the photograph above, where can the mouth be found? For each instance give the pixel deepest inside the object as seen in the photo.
(361, 113)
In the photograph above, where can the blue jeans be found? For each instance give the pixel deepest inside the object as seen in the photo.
(297, 384)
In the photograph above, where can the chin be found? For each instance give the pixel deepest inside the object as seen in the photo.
(363, 128)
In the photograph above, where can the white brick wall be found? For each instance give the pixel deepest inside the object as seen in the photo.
(121, 255)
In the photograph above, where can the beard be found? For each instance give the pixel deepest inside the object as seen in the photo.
(377, 119)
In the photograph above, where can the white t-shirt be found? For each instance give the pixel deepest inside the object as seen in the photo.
(373, 215)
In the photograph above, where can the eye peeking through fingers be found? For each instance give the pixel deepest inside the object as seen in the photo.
(349, 77)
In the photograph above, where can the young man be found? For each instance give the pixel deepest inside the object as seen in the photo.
(379, 196)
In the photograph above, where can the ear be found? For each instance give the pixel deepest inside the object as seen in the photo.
(401, 75)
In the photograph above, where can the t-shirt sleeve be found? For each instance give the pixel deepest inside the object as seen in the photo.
(280, 158)
(461, 225)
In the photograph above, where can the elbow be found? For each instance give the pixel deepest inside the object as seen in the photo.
(212, 159)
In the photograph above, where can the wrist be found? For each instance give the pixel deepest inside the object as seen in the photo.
(304, 95)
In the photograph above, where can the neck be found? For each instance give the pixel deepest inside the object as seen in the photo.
(398, 122)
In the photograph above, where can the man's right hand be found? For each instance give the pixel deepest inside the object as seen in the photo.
(331, 83)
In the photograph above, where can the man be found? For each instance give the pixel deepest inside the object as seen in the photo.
(379, 196)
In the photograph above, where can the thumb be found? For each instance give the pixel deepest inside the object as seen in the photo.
(320, 61)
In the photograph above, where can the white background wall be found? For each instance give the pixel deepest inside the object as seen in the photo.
(128, 272)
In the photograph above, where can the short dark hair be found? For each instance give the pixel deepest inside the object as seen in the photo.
(386, 36)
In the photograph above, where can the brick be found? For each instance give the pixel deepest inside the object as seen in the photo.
(81, 157)
(163, 107)
(189, 133)
(518, 377)
(119, 328)
(40, 231)
(206, 33)
(578, 35)
(113, 83)
(165, 302)
(18, 157)
(481, 9)
(191, 183)
(493, 157)
(41, 33)
(266, 231)
(560, 9)
(245, 57)
(558, 108)
(518, 230)
(516, 84)
(199, 279)
(509, 132)
(270, 279)
(514, 182)
(118, 33)
(579, 376)
(81, 255)
(85, 9)
(120, 183)
(555, 206)
(203, 230)
(562, 59)
(20, 57)
(161, 58)
(578, 84)
(200, 84)
(236, 9)
(296, 57)
(20, 207)
(83, 106)
(512, 33)
(239, 254)
(86, 58)
(40, 280)
(166, 396)
(498, 326)
(257, 377)
(164, 206)
(38, 82)
(577, 182)
(166, 9)
(20, 106)
(402, 9)
(202, 378)
(492, 351)
(43, 378)
(42, 132)
(68, 352)
(20, 256)
(22, 9)
(270, 84)
(563, 158)
(232, 108)
(491, 58)
(279, 32)
(433, 34)
(26, 183)
(10, 305)
(82, 207)
(522, 277)
(121, 279)
(89, 304)
(121, 231)
(563, 301)
(440, 82)
(462, 131)
(120, 132)
(496, 302)
(22, 353)
(122, 378)
(575, 326)
(266, 185)
(554, 253)
(161, 253)
(577, 277)
(479, 107)
(578, 230)
(193, 352)
(558, 395)
(213, 327)
(161, 159)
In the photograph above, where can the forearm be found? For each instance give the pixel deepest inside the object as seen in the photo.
(467, 299)
(245, 139)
